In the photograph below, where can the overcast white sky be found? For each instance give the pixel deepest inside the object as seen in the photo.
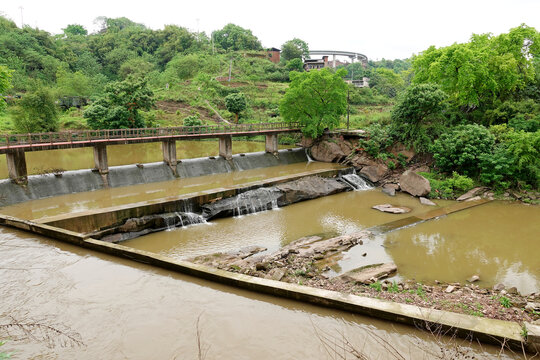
(379, 29)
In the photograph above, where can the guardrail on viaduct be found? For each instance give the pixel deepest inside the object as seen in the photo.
(15, 145)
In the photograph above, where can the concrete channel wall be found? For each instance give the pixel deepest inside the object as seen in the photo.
(487, 330)
(99, 219)
(48, 185)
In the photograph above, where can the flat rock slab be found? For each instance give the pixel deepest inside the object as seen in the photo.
(472, 193)
(425, 201)
(392, 209)
(367, 274)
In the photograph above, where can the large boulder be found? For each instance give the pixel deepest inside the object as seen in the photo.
(327, 151)
(414, 184)
(307, 188)
(374, 173)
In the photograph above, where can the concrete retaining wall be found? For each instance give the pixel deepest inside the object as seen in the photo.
(42, 186)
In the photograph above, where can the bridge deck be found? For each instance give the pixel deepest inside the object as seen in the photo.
(87, 138)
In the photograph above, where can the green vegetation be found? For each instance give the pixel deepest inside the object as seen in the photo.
(475, 106)
(316, 99)
(505, 302)
(4, 355)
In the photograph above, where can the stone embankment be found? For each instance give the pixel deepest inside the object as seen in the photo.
(393, 175)
(305, 260)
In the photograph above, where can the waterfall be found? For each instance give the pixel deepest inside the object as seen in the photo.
(255, 201)
(309, 159)
(356, 182)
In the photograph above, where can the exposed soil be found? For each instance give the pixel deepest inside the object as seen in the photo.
(171, 107)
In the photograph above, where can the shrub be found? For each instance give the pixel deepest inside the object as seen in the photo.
(448, 188)
(519, 122)
(379, 139)
(461, 149)
(36, 112)
(192, 120)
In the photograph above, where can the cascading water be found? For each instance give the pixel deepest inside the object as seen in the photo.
(357, 182)
(309, 159)
(254, 201)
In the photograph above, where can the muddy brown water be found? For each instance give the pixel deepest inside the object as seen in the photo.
(38, 162)
(118, 309)
(497, 241)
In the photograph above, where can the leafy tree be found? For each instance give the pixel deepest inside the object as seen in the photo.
(234, 37)
(386, 82)
(73, 84)
(236, 103)
(294, 49)
(295, 65)
(462, 148)
(137, 67)
(316, 99)
(75, 29)
(487, 68)
(417, 115)
(120, 105)
(173, 40)
(36, 112)
(5, 84)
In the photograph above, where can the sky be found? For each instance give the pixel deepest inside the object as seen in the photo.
(390, 29)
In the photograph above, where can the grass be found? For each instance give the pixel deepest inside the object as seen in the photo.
(505, 302)
(364, 115)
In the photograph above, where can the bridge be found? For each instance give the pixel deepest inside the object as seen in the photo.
(15, 145)
(352, 55)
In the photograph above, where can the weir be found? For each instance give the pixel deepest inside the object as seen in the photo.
(48, 185)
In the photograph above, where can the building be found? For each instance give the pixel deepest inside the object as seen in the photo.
(359, 83)
(311, 64)
(273, 55)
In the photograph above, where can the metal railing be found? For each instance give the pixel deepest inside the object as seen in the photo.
(89, 136)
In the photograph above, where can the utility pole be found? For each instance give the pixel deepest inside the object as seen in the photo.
(348, 107)
(230, 70)
(22, 22)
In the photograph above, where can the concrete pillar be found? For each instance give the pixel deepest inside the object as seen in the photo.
(16, 163)
(169, 152)
(271, 144)
(225, 147)
(334, 61)
(100, 158)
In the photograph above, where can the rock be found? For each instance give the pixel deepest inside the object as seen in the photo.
(388, 208)
(399, 148)
(423, 168)
(308, 188)
(450, 289)
(473, 199)
(248, 251)
(364, 254)
(362, 159)
(513, 290)
(261, 266)
(474, 278)
(389, 190)
(425, 201)
(346, 147)
(366, 274)
(327, 151)
(414, 184)
(499, 287)
(276, 274)
(472, 193)
(374, 172)
(532, 306)
(306, 142)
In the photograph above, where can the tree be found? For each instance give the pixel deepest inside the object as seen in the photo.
(120, 105)
(386, 82)
(234, 37)
(316, 99)
(236, 103)
(294, 49)
(5, 84)
(75, 29)
(295, 65)
(36, 112)
(487, 68)
(73, 84)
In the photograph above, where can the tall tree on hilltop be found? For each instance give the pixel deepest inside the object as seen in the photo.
(294, 49)
(234, 37)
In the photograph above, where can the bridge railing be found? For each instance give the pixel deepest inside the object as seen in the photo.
(119, 134)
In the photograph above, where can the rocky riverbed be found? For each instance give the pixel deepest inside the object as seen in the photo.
(304, 262)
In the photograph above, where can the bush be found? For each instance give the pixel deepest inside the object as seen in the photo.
(462, 148)
(192, 120)
(379, 139)
(448, 188)
(36, 112)
(519, 122)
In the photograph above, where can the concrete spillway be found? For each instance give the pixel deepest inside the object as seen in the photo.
(42, 186)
